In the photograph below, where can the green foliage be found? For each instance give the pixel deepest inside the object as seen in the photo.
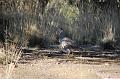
(70, 12)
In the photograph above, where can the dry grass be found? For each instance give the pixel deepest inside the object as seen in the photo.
(2, 55)
(82, 23)
(109, 34)
(9, 58)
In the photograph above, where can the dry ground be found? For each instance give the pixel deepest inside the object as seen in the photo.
(55, 69)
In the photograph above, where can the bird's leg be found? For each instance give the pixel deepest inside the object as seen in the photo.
(68, 53)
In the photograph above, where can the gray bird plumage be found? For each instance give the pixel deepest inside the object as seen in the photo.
(65, 43)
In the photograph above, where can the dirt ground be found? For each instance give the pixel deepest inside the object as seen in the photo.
(55, 69)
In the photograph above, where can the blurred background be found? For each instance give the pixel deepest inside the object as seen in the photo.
(34, 22)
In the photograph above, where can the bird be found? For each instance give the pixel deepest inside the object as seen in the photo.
(65, 43)
(60, 34)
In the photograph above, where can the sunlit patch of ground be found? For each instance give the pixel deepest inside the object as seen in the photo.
(108, 71)
(55, 69)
